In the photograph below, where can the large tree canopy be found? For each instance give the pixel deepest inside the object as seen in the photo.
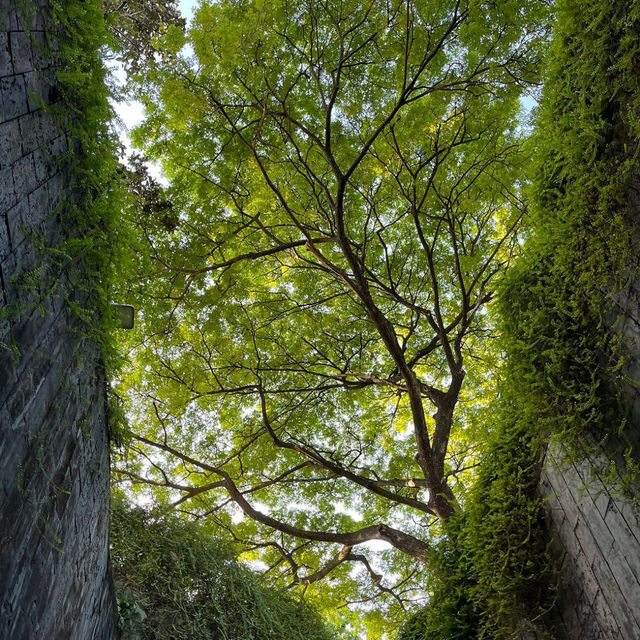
(313, 356)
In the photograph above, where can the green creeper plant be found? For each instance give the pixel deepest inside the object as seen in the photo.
(76, 253)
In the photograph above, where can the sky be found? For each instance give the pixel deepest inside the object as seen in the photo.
(186, 7)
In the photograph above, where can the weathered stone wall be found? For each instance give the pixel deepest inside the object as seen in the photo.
(54, 473)
(597, 534)
(594, 521)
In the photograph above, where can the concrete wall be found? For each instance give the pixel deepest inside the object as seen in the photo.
(54, 475)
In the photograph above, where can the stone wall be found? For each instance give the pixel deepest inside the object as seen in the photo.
(593, 518)
(54, 478)
(596, 533)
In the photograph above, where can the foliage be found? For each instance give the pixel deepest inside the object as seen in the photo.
(137, 25)
(344, 183)
(558, 310)
(495, 577)
(173, 580)
(91, 212)
(559, 303)
(76, 261)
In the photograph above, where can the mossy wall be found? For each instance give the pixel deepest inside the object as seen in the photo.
(54, 473)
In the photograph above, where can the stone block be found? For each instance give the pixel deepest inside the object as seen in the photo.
(606, 621)
(583, 578)
(556, 516)
(7, 190)
(615, 598)
(45, 165)
(587, 541)
(631, 513)
(569, 615)
(36, 128)
(40, 17)
(568, 539)
(625, 541)
(589, 627)
(10, 143)
(24, 176)
(20, 52)
(565, 496)
(35, 92)
(17, 224)
(602, 501)
(57, 188)
(39, 50)
(14, 97)
(5, 245)
(7, 269)
(629, 586)
(596, 524)
(6, 19)
(38, 205)
(7, 369)
(6, 64)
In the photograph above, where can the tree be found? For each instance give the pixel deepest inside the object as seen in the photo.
(344, 194)
(137, 25)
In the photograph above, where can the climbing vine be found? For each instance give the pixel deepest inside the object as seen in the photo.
(77, 264)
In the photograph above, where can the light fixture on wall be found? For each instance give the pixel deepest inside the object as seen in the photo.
(124, 315)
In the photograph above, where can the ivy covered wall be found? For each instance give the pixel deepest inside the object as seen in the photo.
(586, 325)
(54, 478)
